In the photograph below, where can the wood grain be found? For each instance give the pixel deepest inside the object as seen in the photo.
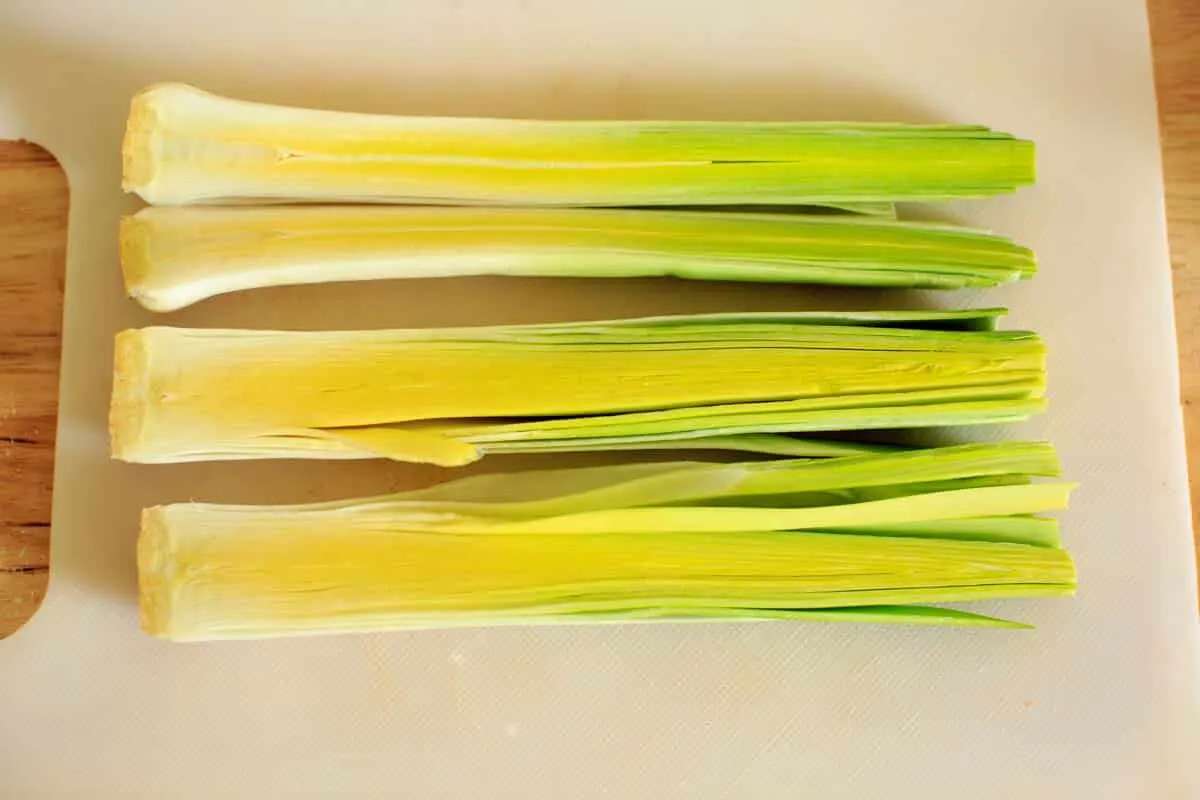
(1175, 30)
(33, 235)
(33, 217)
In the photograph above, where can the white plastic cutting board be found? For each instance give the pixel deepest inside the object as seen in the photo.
(1101, 701)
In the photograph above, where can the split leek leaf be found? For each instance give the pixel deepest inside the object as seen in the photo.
(183, 145)
(173, 257)
(907, 615)
(211, 572)
(1018, 529)
(987, 501)
(737, 426)
(448, 396)
(544, 493)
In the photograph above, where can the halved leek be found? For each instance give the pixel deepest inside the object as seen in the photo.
(183, 145)
(611, 544)
(448, 396)
(172, 257)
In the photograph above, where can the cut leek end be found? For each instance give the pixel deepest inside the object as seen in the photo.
(156, 576)
(1031, 174)
(139, 151)
(131, 386)
(134, 240)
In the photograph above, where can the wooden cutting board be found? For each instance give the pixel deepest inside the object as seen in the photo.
(33, 238)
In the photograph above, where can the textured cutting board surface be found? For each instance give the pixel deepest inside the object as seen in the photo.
(1100, 701)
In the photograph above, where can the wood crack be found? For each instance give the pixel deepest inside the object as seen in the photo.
(26, 569)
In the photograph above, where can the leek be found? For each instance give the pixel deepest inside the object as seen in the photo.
(172, 257)
(183, 145)
(604, 544)
(449, 396)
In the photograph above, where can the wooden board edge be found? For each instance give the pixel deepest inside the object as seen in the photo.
(33, 238)
(1175, 33)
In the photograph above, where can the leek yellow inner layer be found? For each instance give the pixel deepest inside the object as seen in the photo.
(449, 396)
